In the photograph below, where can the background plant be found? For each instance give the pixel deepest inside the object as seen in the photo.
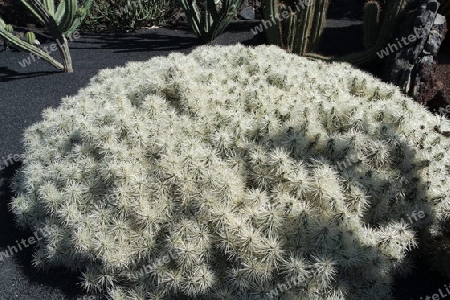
(300, 33)
(209, 18)
(227, 158)
(127, 14)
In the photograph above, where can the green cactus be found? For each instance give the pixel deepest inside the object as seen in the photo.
(61, 22)
(67, 16)
(392, 14)
(10, 38)
(295, 27)
(209, 18)
(372, 12)
(9, 28)
(30, 37)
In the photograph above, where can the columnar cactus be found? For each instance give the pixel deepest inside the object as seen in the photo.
(392, 14)
(209, 18)
(372, 12)
(61, 23)
(296, 27)
(234, 173)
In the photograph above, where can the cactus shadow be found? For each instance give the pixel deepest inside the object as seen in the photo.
(160, 39)
(7, 74)
(413, 282)
(10, 235)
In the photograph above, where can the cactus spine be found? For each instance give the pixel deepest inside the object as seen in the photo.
(208, 22)
(61, 23)
(295, 27)
(6, 34)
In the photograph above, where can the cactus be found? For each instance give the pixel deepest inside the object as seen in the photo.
(6, 34)
(234, 173)
(30, 37)
(377, 38)
(8, 28)
(61, 22)
(299, 32)
(372, 12)
(209, 18)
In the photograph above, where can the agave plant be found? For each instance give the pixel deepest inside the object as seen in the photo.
(209, 18)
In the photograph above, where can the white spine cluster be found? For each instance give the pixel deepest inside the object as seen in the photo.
(226, 167)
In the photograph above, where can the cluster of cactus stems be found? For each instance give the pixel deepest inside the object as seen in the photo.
(300, 33)
(6, 32)
(61, 22)
(209, 18)
(378, 29)
(220, 174)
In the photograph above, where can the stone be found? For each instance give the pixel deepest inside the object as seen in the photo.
(412, 68)
(248, 13)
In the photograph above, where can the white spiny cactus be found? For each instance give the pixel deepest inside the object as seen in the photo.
(233, 173)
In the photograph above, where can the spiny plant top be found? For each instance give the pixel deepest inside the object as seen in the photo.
(234, 173)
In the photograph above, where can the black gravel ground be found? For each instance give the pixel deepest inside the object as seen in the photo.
(26, 92)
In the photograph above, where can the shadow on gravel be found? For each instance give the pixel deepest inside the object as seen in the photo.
(142, 42)
(338, 41)
(10, 235)
(7, 74)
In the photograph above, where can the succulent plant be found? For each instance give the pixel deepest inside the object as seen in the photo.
(378, 29)
(8, 28)
(234, 173)
(296, 27)
(61, 22)
(6, 32)
(31, 37)
(209, 18)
